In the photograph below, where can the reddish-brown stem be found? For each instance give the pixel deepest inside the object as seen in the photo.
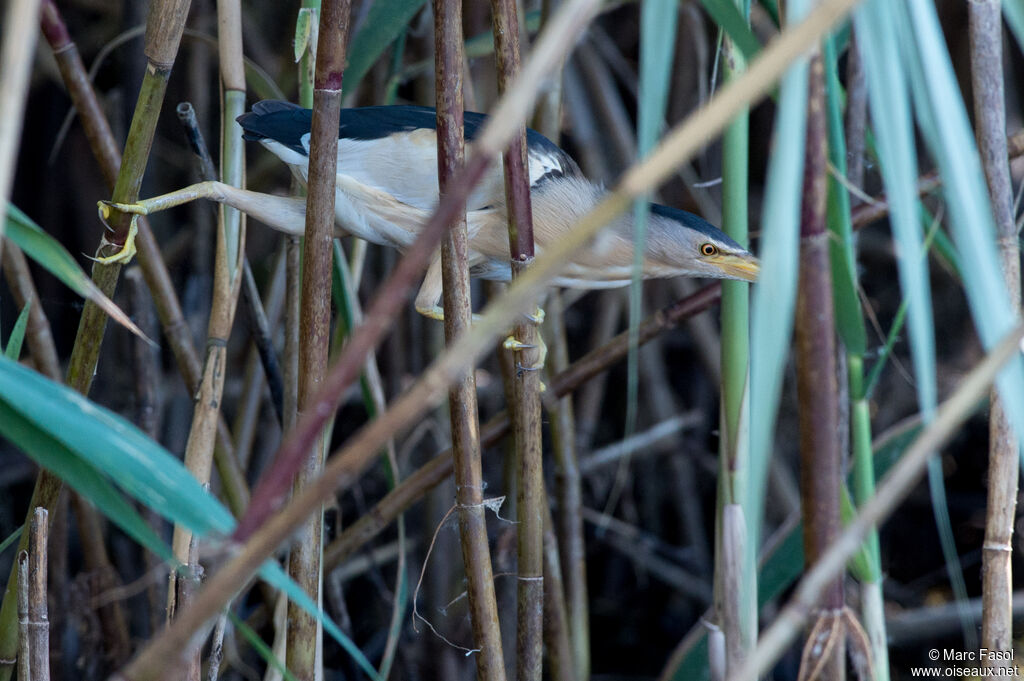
(817, 389)
(315, 314)
(530, 498)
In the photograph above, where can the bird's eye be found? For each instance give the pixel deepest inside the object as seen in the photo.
(708, 249)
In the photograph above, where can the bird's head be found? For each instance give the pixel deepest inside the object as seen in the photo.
(693, 247)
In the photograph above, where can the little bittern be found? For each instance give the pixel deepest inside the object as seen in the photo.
(387, 187)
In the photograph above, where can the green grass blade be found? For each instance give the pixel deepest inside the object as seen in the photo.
(946, 128)
(729, 19)
(42, 417)
(944, 122)
(111, 444)
(884, 49)
(261, 648)
(13, 349)
(774, 295)
(657, 47)
(849, 320)
(384, 22)
(892, 124)
(53, 455)
(275, 575)
(11, 539)
(54, 258)
(1013, 11)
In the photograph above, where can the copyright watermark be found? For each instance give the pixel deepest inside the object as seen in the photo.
(981, 663)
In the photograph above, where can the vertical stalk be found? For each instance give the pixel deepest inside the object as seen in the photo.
(145, 368)
(817, 387)
(568, 488)
(48, 486)
(38, 614)
(163, 35)
(1003, 465)
(872, 597)
(38, 335)
(736, 576)
(465, 430)
(569, 521)
(556, 621)
(24, 645)
(530, 499)
(19, 43)
(315, 315)
(226, 285)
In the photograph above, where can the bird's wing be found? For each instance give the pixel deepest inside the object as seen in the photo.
(393, 149)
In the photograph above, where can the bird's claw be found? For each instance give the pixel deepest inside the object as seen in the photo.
(537, 317)
(127, 251)
(132, 208)
(514, 345)
(511, 343)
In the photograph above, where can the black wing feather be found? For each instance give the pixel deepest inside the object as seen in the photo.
(288, 123)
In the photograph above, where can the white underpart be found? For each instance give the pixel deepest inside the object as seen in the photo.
(289, 156)
(387, 187)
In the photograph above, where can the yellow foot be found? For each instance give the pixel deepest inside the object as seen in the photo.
(435, 312)
(514, 345)
(127, 251)
(537, 317)
(133, 208)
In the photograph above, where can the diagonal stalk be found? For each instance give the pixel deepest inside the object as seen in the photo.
(226, 284)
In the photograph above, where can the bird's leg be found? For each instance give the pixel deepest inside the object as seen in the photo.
(285, 214)
(428, 300)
